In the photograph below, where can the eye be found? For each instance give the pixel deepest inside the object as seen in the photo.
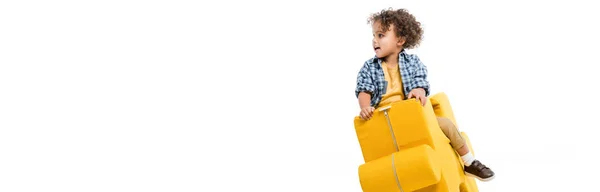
(380, 35)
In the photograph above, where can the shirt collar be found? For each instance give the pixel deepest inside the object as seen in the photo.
(401, 55)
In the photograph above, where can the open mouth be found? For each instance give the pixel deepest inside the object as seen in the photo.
(377, 48)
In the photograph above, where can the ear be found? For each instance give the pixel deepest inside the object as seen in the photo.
(401, 41)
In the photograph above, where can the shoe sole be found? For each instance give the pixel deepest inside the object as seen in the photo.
(481, 179)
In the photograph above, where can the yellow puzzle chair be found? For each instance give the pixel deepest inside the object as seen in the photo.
(405, 150)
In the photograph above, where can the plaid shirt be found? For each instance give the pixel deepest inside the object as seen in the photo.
(371, 78)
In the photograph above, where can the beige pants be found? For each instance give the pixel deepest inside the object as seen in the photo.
(451, 132)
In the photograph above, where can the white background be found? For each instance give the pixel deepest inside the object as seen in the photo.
(257, 95)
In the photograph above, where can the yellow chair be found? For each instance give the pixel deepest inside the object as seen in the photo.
(405, 150)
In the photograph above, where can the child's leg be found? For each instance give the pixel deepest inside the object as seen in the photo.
(456, 140)
(472, 166)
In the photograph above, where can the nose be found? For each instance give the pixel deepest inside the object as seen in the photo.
(375, 43)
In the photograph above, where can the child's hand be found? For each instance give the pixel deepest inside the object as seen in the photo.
(419, 94)
(366, 113)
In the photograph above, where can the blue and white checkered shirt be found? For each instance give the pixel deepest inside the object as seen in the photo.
(371, 78)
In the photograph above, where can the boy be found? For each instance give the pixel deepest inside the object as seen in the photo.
(394, 75)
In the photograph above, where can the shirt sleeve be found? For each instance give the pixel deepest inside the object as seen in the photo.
(420, 76)
(364, 81)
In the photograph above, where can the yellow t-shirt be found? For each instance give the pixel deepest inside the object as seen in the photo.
(394, 88)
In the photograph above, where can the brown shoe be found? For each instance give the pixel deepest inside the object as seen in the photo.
(479, 171)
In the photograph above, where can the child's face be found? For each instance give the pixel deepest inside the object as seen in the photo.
(385, 43)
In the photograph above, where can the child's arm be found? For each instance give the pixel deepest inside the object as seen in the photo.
(364, 100)
(364, 88)
(420, 77)
(421, 85)
(364, 83)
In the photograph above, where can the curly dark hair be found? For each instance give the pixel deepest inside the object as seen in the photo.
(405, 24)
